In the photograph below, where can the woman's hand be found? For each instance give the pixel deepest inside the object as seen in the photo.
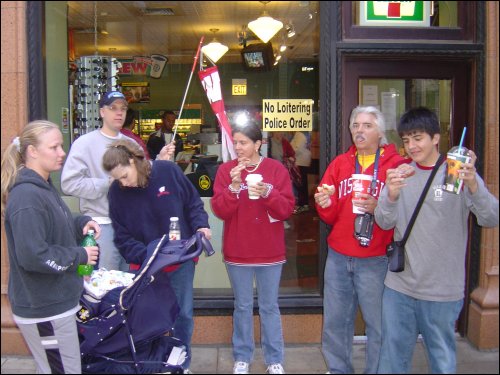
(92, 225)
(206, 231)
(258, 189)
(92, 254)
(235, 173)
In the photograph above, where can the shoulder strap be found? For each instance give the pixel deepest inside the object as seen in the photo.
(421, 200)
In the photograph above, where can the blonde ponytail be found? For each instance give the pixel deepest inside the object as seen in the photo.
(11, 162)
(14, 156)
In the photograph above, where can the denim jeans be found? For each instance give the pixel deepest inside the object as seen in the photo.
(267, 281)
(181, 281)
(403, 318)
(351, 281)
(109, 256)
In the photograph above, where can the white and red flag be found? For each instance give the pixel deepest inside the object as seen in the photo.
(210, 81)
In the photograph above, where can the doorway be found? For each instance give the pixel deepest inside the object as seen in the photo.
(395, 84)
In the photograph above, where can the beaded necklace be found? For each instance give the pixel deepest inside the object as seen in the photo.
(256, 166)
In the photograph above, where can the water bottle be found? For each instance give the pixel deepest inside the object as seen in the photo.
(88, 240)
(174, 232)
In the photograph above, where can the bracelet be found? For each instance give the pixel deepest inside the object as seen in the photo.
(233, 190)
(269, 189)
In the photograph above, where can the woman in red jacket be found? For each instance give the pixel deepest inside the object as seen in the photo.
(245, 220)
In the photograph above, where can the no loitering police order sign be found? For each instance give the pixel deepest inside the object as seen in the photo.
(287, 114)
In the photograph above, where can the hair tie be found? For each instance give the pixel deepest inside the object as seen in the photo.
(16, 143)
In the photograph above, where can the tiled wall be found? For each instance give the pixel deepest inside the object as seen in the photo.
(483, 322)
(14, 116)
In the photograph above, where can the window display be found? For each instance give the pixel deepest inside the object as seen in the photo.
(95, 75)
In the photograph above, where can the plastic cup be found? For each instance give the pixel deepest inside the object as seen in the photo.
(360, 185)
(454, 160)
(252, 179)
(157, 64)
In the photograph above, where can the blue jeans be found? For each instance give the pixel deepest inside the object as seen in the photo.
(403, 318)
(181, 281)
(109, 256)
(351, 281)
(267, 281)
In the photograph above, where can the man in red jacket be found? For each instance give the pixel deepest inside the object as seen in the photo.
(356, 264)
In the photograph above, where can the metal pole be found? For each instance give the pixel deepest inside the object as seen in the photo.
(189, 82)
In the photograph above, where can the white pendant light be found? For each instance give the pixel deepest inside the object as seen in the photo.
(265, 27)
(214, 50)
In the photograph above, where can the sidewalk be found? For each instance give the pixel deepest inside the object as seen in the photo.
(299, 359)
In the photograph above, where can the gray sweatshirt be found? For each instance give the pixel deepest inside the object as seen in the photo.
(436, 247)
(83, 175)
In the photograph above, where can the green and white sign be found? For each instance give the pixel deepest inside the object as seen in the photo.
(395, 13)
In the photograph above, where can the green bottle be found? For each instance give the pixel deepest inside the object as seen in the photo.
(88, 240)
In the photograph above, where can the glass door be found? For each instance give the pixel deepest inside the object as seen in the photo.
(393, 96)
(395, 86)
(397, 83)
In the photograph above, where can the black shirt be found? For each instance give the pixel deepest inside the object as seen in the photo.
(156, 142)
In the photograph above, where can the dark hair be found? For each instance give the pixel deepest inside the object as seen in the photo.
(120, 152)
(164, 114)
(250, 130)
(129, 119)
(419, 119)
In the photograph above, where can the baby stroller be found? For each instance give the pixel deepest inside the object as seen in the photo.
(130, 329)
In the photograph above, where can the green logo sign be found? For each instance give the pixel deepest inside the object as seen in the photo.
(395, 13)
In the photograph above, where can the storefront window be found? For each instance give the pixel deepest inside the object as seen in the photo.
(154, 46)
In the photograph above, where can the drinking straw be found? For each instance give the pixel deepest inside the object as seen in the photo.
(462, 139)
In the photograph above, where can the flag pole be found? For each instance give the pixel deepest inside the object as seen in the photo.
(189, 82)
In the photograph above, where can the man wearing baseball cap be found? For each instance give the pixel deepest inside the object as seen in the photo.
(84, 177)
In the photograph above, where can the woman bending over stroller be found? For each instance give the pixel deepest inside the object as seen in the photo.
(44, 287)
(142, 198)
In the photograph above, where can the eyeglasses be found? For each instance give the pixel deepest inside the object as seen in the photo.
(115, 108)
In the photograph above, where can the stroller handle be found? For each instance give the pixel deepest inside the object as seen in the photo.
(167, 253)
(180, 251)
(202, 244)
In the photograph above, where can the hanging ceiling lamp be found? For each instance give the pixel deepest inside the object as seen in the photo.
(214, 50)
(265, 27)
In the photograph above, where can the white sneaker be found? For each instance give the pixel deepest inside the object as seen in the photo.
(187, 371)
(241, 367)
(275, 368)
